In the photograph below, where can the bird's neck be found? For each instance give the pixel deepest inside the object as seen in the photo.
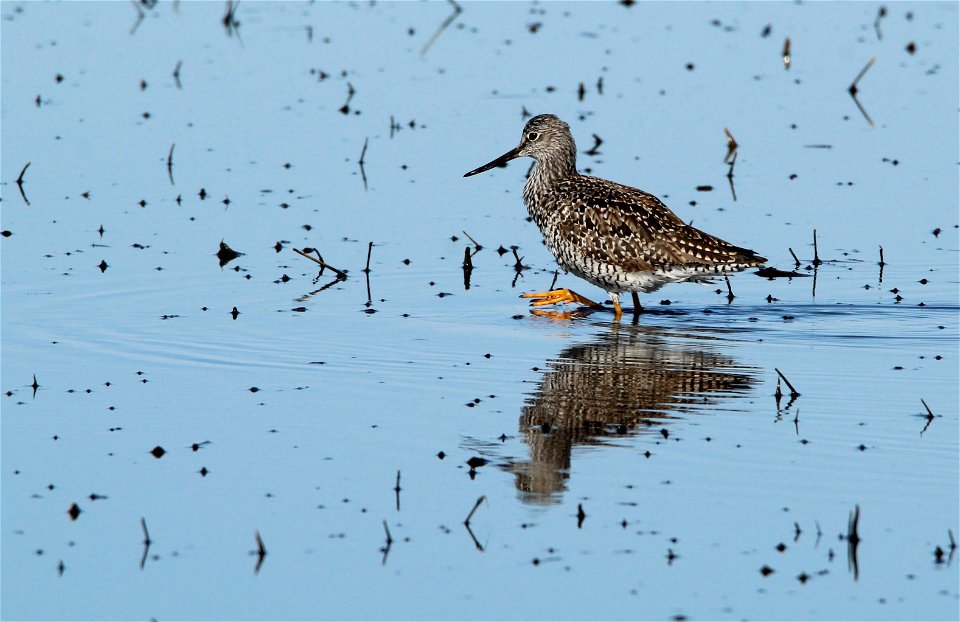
(546, 174)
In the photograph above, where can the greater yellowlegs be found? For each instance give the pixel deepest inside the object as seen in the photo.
(619, 238)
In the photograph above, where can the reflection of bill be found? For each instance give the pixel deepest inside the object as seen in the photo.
(624, 382)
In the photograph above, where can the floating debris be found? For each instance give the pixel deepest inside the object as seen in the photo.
(226, 254)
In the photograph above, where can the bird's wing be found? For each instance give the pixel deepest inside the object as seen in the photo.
(631, 228)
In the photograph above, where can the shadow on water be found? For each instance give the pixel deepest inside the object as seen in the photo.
(630, 380)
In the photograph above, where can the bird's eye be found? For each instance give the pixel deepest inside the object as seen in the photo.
(532, 136)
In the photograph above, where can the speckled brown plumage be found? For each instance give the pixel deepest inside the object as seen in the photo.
(614, 236)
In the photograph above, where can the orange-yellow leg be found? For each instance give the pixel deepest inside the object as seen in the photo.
(557, 297)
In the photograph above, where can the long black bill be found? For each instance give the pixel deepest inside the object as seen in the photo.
(501, 161)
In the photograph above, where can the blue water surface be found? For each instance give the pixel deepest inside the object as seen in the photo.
(641, 469)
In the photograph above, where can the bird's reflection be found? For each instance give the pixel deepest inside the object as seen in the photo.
(632, 380)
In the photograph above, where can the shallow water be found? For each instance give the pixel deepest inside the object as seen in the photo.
(292, 418)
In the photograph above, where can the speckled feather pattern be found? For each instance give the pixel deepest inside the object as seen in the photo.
(614, 236)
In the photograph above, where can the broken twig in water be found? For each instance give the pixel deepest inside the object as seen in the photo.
(140, 16)
(261, 553)
(386, 547)
(475, 506)
(795, 258)
(176, 73)
(229, 20)
(592, 151)
(786, 53)
(853, 89)
(446, 23)
(475, 243)
(369, 251)
(396, 490)
(361, 162)
(20, 182)
(467, 267)
(876, 23)
(730, 176)
(881, 264)
(341, 275)
(730, 295)
(816, 255)
(793, 391)
(853, 541)
(518, 265)
(146, 542)
(170, 164)
(731, 147)
(929, 417)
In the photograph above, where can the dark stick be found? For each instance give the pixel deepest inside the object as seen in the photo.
(730, 176)
(307, 296)
(366, 277)
(592, 151)
(475, 243)
(176, 73)
(580, 515)
(813, 290)
(862, 110)
(230, 19)
(930, 417)
(146, 542)
(730, 295)
(386, 547)
(853, 89)
(369, 250)
(793, 391)
(518, 265)
(786, 53)
(170, 164)
(446, 23)
(731, 147)
(816, 256)
(794, 257)
(853, 540)
(20, 182)
(361, 162)
(136, 24)
(467, 267)
(475, 506)
(345, 108)
(882, 263)
(476, 542)
(340, 273)
(876, 23)
(261, 551)
(553, 283)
